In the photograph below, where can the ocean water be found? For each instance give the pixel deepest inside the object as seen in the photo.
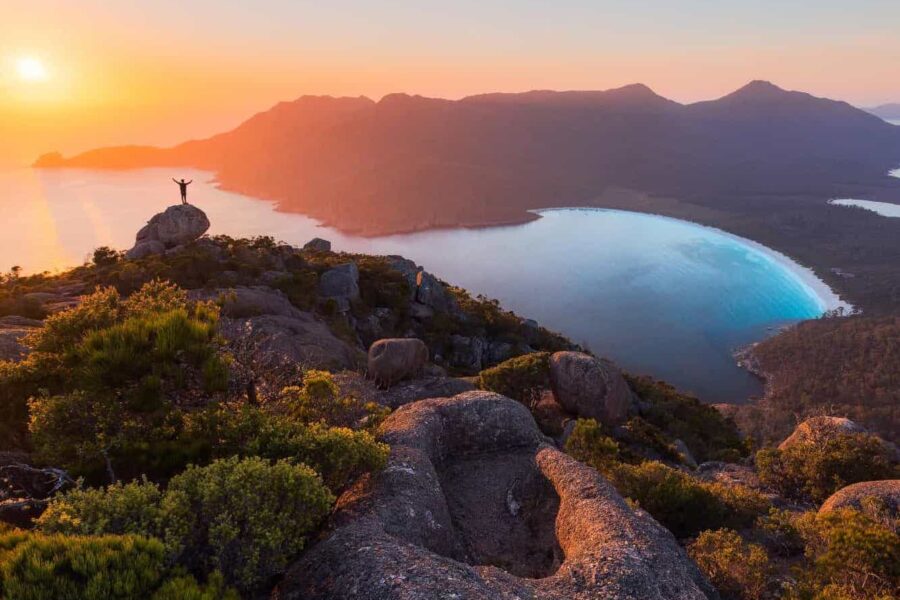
(659, 296)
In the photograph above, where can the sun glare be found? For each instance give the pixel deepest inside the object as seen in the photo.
(31, 69)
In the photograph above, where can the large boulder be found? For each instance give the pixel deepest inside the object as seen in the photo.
(176, 226)
(820, 429)
(340, 284)
(317, 245)
(870, 497)
(394, 359)
(474, 504)
(590, 388)
(467, 353)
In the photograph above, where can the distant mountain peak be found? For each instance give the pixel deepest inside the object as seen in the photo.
(759, 89)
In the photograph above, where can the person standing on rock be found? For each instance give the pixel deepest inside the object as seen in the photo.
(183, 186)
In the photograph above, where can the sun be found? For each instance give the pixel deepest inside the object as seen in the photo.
(31, 69)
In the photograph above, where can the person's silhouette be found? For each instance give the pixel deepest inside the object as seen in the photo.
(183, 186)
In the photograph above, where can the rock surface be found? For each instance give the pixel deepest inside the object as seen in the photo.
(884, 493)
(176, 226)
(341, 284)
(279, 332)
(474, 504)
(590, 388)
(405, 392)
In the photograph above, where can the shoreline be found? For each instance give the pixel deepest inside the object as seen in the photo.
(826, 297)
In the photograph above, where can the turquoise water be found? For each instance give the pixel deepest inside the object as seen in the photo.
(657, 295)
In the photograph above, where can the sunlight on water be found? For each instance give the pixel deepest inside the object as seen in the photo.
(658, 295)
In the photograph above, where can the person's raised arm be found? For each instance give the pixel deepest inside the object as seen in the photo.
(189, 182)
(175, 180)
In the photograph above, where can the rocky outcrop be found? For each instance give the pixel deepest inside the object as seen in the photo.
(393, 359)
(317, 245)
(176, 226)
(474, 504)
(819, 429)
(12, 330)
(340, 284)
(590, 388)
(264, 322)
(425, 288)
(25, 490)
(870, 497)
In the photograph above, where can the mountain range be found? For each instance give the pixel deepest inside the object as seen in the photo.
(761, 162)
(886, 111)
(409, 162)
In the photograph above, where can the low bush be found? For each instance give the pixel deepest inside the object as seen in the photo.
(738, 569)
(319, 400)
(812, 472)
(185, 587)
(243, 517)
(339, 454)
(522, 378)
(848, 556)
(57, 567)
(680, 502)
(588, 444)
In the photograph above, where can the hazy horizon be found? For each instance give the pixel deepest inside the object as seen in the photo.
(74, 77)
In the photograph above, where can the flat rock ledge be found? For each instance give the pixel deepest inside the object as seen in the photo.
(475, 504)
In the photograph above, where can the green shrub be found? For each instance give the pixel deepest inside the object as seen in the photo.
(245, 517)
(709, 434)
(64, 330)
(186, 587)
(57, 567)
(812, 472)
(683, 504)
(849, 556)
(105, 256)
(588, 444)
(780, 532)
(131, 508)
(522, 378)
(319, 400)
(339, 454)
(738, 569)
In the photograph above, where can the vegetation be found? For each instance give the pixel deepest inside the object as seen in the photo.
(849, 366)
(56, 567)
(243, 517)
(522, 378)
(684, 504)
(738, 569)
(704, 430)
(812, 472)
(318, 400)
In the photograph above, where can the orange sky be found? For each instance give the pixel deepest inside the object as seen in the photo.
(164, 71)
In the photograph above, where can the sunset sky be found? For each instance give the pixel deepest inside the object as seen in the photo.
(76, 74)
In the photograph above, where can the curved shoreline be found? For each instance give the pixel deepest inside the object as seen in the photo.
(826, 298)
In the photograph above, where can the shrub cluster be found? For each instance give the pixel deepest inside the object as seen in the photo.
(522, 378)
(318, 400)
(680, 502)
(243, 517)
(109, 567)
(812, 472)
(740, 570)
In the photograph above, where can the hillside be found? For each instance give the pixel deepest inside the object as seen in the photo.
(192, 419)
(760, 162)
(848, 366)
